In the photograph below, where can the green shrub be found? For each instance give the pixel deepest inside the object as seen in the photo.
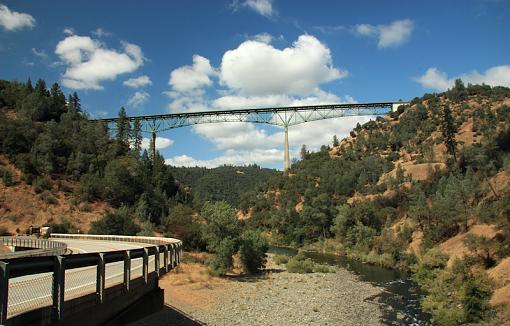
(48, 198)
(8, 178)
(280, 259)
(300, 266)
(119, 223)
(253, 251)
(41, 184)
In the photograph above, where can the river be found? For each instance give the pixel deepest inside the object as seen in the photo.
(401, 297)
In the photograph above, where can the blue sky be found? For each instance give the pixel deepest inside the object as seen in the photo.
(174, 56)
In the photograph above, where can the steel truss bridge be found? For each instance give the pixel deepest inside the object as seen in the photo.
(282, 116)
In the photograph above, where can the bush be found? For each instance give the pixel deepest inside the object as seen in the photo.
(4, 231)
(7, 178)
(253, 251)
(119, 223)
(48, 198)
(302, 265)
(41, 184)
(280, 259)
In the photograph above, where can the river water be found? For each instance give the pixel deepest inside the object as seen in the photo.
(401, 297)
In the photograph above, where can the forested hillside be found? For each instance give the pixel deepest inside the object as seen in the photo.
(51, 145)
(426, 189)
(228, 183)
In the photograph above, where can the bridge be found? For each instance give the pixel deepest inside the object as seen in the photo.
(98, 279)
(278, 116)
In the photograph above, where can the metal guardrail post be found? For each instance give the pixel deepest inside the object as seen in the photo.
(100, 277)
(59, 280)
(127, 269)
(165, 257)
(145, 264)
(4, 291)
(156, 260)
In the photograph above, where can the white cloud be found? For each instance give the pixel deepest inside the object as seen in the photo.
(13, 20)
(230, 157)
(89, 62)
(161, 143)
(68, 31)
(263, 37)
(263, 7)
(257, 75)
(40, 54)
(433, 78)
(100, 32)
(138, 99)
(495, 76)
(394, 34)
(138, 82)
(257, 68)
(188, 78)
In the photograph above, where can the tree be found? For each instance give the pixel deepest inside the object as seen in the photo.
(221, 233)
(448, 130)
(136, 136)
(485, 249)
(253, 251)
(304, 153)
(119, 223)
(335, 141)
(123, 131)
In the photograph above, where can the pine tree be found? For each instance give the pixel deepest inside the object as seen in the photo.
(335, 141)
(304, 152)
(449, 129)
(29, 86)
(136, 136)
(123, 129)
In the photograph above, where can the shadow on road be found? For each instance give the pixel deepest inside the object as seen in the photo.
(168, 315)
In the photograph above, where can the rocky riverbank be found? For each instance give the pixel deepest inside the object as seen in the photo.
(275, 298)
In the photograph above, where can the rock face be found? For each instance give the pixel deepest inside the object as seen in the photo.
(282, 298)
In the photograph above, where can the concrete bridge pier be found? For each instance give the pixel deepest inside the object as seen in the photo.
(286, 161)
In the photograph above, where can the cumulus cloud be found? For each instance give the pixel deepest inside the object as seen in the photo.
(138, 82)
(257, 68)
(161, 143)
(262, 7)
(495, 76)
(393, 34)
(13, 20)
(188, 78)
(230, 157)
(68, 31)
(89, 62)
(257, 75)
(138, 99)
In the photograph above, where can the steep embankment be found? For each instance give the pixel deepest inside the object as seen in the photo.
(21, 207)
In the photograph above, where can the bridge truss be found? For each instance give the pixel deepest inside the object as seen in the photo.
(283, 117)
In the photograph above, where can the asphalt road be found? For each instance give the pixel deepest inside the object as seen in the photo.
(34, 291)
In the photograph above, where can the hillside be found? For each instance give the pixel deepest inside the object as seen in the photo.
(426, 189)
(227, 183)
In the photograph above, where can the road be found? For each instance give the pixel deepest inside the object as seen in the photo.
(34, 291)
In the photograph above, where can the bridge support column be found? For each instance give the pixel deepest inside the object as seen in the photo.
(59, 281)
(286, 161)
(4, 291)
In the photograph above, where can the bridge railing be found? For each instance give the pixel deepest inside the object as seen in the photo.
(62, 278)
(42, 247)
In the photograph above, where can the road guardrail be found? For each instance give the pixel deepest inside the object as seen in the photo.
(41, 247)
(164, 252)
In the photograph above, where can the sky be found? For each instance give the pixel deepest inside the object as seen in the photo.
(160, 57)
